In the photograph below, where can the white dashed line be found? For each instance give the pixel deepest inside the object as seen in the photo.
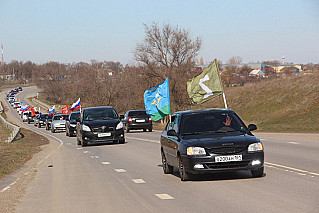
(85, 152)
(95, 156)
(120, 170)
(293, 143)
(79, 148)
(164, 196)
(106, 163)
(138, 181)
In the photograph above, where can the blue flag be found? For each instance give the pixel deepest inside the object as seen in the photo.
(156, 100)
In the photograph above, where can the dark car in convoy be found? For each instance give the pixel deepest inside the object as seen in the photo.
(48, 122)
(208, 141)
(40, 119)
(137, 119)
(99, 124)
(31, 118)
(70, 124)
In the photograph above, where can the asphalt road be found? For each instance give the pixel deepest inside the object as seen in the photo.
(129, 178)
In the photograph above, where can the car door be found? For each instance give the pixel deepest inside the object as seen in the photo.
(171, 142)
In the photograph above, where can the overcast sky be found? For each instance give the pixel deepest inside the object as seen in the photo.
(76, 30)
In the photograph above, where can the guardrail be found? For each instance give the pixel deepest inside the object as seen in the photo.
(41, 103)
(15, 130)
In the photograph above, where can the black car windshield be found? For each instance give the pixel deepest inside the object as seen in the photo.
(137, 113)
(211, 122)
(99, 114)
(60, 117)
(75, 115)
(44, 116)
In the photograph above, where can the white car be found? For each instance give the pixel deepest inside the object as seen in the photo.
(25, 116)
(58, 122)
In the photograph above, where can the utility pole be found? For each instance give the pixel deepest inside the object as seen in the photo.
(2, 61)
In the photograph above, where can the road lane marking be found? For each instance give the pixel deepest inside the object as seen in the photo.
(85, 152)
(105, 163)
(138, 181)
(79, 148)
(293, 142)
(95, 156)
(120, 170)
(164, 196)
(141, 139)
(294, 169)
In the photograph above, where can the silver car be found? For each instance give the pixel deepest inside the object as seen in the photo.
(58, 122)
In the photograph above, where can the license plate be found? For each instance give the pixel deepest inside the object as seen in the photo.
(107, 134)
(228, 158)
(139, 121)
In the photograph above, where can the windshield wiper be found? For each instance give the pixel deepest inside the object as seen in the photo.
(193, 133)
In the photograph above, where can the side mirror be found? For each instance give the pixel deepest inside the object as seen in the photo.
(121, 117)
(252, 127)
(172, 132)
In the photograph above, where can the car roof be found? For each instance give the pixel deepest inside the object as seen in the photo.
(100, 107)
(203, 111)
(136, 110)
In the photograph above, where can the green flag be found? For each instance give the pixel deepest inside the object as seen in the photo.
(205, 85)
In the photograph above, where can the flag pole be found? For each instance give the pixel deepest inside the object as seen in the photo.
(224, 97)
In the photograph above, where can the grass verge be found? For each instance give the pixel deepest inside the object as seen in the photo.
(14, 155)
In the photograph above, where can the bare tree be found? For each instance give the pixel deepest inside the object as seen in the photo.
(235, 60)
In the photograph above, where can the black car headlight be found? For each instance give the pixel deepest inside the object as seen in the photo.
(196, 151)
(255, 147)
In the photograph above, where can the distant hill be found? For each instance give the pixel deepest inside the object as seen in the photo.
(289, 104)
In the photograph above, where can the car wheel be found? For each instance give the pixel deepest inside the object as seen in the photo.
(121, 141)
(28, 122)
(84, 143)
(150, 129)
(39, 126)
(78, 141)
(127, 129)
(66, 133)
(144, 130)
(258, 172)
(52, 130)
(166, 168)
(183, 174)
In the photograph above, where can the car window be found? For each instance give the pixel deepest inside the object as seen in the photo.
(99, 114)
(137, 113)
(211, 122)
(74, 116)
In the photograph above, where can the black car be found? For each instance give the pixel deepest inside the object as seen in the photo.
(71, 124)
(137, 119)
(99, 124)
(48, 122)
(40, 119)
(31, 118)
(211, 140)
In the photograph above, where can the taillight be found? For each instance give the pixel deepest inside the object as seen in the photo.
(149, 119)
(130, 120)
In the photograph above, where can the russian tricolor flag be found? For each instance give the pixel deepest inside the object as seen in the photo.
(25, 108)
(51, 111)
(76, 105)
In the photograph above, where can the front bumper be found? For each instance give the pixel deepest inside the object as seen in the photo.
(210, 165)
(94, 136)
(59, 127)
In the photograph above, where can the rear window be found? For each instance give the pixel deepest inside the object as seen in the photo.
(137, 113)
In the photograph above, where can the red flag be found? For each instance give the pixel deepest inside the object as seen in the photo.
(32, 112)
(65, 110)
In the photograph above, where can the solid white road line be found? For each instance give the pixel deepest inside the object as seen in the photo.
(138, 181)
(141, 139)
(164, 196)
(120, 170)
(294, 169)
(293, 142)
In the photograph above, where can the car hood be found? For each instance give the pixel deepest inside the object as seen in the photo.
(98, 123)
(219, 140)
(58, 122)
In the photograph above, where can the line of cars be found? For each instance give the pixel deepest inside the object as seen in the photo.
(195, 141)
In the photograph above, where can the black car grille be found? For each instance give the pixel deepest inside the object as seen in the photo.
(228, 165)
(103, 129)
(226, 150)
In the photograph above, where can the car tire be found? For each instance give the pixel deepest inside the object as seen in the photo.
(66, 133)
(127, 129)
(121, 141)
(39, 126)
(167, 169)
(144, 130)
(28, 122)
(185, 176)
(258, 172)
(84, 143)
(52, 130)
(150, 129)
(78, 141)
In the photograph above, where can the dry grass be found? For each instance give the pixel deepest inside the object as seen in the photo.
(14, 155)
(288, 104)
